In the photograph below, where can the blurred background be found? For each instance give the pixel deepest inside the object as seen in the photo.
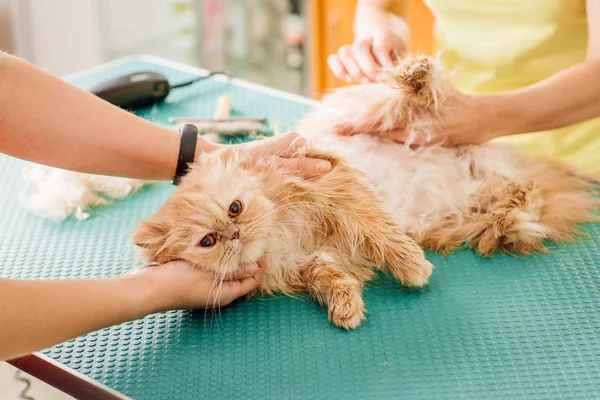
(279, 43)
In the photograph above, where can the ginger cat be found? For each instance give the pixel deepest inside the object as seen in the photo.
(381, 203)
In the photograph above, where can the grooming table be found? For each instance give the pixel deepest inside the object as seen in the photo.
(498, 328)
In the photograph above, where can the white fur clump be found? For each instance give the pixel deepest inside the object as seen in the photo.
(59, 194)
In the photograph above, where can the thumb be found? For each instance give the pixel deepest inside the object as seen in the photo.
(305, 167)
(287, 144)
(383, 53)
(234, 289)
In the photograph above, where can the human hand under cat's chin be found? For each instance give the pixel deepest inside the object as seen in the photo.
(466, 119)
(177, 285)
(283, 148)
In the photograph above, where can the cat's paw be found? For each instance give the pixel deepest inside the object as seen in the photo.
(412, 273)
(418, 275)
(346, 308)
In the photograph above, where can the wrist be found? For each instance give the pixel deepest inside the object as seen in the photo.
(203, 146)
(497, 117)
(370, 17)
(190, 147)
(140, 297)
(147, 293)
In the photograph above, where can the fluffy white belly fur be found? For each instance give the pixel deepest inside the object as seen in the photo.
(419, 185)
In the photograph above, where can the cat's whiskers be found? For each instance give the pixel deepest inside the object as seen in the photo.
(225, 258)
(277, 238)
(218, 306)
(273, 211)
(212, 287)
(276, 210)
(215, 307)
(312, 227)
(281, 234)
(279, 200)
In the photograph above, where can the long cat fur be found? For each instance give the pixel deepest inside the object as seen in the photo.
(378, 207)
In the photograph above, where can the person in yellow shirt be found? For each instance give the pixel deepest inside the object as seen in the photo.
(527, 73)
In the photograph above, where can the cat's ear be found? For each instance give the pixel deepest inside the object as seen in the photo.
(151, 236)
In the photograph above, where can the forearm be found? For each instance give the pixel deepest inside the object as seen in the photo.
(46, 120)
(568, 97)
(37, 314)
(383, 14)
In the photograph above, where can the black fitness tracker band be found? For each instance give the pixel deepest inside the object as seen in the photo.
(187, 150)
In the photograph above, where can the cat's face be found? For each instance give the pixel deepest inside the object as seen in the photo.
(218, 219)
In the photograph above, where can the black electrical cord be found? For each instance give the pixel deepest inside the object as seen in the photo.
(187, 83)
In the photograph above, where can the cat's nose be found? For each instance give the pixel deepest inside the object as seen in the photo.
(232, 232)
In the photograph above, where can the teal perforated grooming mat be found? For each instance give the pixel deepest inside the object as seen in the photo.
(499, 328)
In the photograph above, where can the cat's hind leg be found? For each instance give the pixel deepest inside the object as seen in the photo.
(548, 203)
(331, 286)
(513, 220)
(504, 215)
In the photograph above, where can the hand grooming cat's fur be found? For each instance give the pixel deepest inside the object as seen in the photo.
(326, 236)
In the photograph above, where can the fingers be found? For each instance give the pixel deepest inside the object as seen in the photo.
(283, 150)
(245, 271)
(386, 48)
(361, 51)
(287, 144)
(338, 69)
(362, 61)
(383, 56)
(231, 290)
(304, 167)
(347, 59)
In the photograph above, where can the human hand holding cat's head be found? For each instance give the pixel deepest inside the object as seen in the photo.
(286, 151)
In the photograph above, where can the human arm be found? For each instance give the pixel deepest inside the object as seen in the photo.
(567, 97)
(36, 314)
(46, 120)
(380, 32)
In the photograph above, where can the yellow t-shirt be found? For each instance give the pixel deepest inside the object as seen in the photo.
(500, 45)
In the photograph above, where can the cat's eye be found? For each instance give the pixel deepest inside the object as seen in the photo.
(235, 209)
(208, 240)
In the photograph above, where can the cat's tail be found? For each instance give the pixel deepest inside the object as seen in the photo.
(424, 83)
(409, 95)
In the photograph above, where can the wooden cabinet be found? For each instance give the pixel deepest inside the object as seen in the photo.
(331, 27)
